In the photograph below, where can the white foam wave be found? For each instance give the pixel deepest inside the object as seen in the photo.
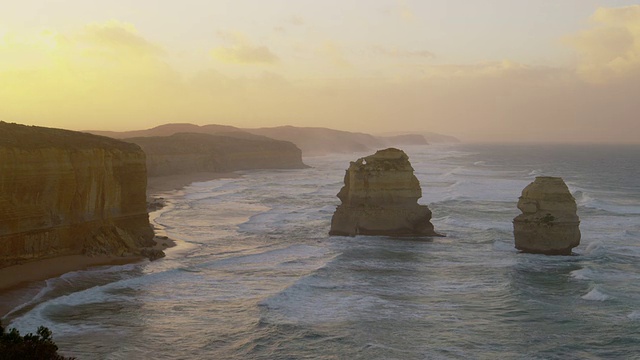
(634, 315)
(582, 198)
(618, 206)
(302, 304)
(45, 290)
(582, 274)
(596, 295)
(39, 315)
(593, 247)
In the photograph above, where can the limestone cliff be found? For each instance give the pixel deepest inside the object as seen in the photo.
(65, 192)
(548, 223)
(190, 152)
(380, 197)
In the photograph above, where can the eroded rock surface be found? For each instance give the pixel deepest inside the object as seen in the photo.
(65, 192)
(380, 197)
(549, 223)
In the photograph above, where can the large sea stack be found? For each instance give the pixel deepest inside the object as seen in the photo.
(380, 197)
(65, 192)
(548, 223)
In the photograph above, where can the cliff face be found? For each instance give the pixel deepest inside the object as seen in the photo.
(64, 192)
(189, 153)
(548, 223)
(380, 197)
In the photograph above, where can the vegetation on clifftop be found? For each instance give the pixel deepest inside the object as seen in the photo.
(36, 347)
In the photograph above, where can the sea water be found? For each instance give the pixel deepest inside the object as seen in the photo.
(255, 275)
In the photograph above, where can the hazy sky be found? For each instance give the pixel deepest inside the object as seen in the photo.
(491, 70)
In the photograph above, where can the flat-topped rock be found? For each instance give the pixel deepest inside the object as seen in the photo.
(380, 197)
(549, 223)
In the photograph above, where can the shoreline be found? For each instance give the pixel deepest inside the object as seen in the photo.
(156, 185)
(19, 282)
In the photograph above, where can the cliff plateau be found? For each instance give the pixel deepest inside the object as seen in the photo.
(380, 197)
(64, 192)
(548, 223)
(316, 141)
(312, 141)
(184, 153)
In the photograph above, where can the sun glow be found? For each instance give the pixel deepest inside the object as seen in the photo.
(377, 68)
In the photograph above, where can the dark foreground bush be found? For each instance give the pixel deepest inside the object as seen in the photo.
(13, 346)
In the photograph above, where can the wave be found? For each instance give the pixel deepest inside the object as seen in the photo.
(589, 200)
(49, 286)
(454, 222)
(596, 295)
(634, 315)
(534, 173)
(593, 247)
(582, 274)
(259, 253)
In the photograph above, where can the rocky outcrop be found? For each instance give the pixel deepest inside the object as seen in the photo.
(380, 197)
(64, 192)
(185, 153)
(548, 223)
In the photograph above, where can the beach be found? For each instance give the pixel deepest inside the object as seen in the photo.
(20, 282)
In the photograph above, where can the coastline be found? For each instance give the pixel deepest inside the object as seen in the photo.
(14, 279)
(159, 184)
(18, 282)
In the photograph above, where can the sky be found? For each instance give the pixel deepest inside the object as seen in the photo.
(493, 70)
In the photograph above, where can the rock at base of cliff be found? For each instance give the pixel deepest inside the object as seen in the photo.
(549, 223)
(380, 197)
(152, 254)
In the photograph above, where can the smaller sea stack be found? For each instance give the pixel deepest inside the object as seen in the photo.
(380, 197)
(548, 223)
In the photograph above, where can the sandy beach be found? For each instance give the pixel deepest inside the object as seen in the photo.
(17, 282)
(15, 278)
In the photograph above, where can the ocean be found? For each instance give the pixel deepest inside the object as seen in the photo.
(256, 276)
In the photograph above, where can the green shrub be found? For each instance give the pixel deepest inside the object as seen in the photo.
(40, 346)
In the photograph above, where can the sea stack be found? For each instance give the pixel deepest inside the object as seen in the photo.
(66, 193)
(548, 223)
(380, 197)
